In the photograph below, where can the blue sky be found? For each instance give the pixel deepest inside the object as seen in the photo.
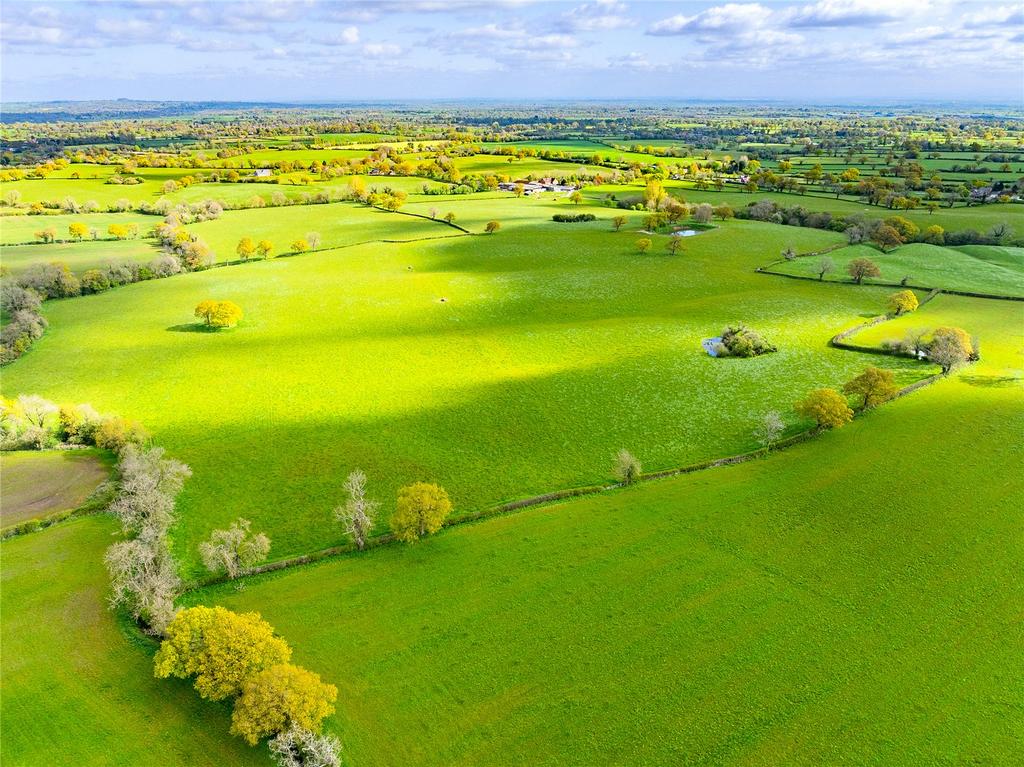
(289, 50)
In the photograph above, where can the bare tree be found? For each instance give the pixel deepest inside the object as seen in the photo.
(627, 467)
(313, 238)
(769, 429)
(358, 514)
(296, 747)
(825, 266)
(233, 550)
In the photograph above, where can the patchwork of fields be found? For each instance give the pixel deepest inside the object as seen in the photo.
(852, 599)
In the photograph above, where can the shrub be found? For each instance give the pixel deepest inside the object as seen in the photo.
(573, 218)
(118, 434)
(643, 245)
(52, 280)
(741, 341)
(421, 510)
(233, 550)
(94, 281)
(627, 468)
(15, 298)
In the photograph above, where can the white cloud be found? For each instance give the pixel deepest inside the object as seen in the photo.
(381, 50)
(855, 13)
(603, 15)
(731, 17)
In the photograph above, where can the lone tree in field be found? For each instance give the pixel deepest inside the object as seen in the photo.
(789, 253)
(358, 513)
(492, 226)
(265, 248)
(618, 222)
(825, 266)
(950, 348)
(218, 314)
(827, 407)
(221, 649)
(627, 468)
(860, 268)
(874, 386)
(576, 197)
(902, 302)
(421, 510)
(674, 245)
(643, 245)
(246, 248)
(769, 429)
(78, 230)
(886, 237)
(233, 550)
(280, 698)
(449, 217)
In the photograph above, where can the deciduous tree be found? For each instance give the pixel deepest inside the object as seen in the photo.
(643, 245)
(769, 429)
(218, 314)
(246, 248)
(950, 348)
(233, 550)
(280, 698)
(492, 226)
(219, 648)
(902, 302)
(859, 268)
(358, 513)
(827, 407)
(421, 510)
(627, 468)
(874, 386)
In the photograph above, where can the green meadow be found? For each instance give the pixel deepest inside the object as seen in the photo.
(78, 256)
(978, 269)
(821, 606)
(22, 229)
(35, 484)
(440, 359)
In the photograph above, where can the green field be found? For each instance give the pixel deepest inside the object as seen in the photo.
(79, 256)
(823, 606)
(34, 484)
(575, 352)
(21, 229)
(78, 685)
(977, 269)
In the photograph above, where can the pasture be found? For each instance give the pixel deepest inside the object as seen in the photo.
(349, 358)
(977, 269)
(819, 606)
(79, 256)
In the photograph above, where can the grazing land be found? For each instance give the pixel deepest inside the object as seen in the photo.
(278, 296)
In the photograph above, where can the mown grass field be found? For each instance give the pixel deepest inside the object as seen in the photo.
(978, 269)
(853, 600)
(539, 364)
(78, 685)
(34, 484)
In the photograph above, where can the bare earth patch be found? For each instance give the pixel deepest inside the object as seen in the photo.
(37, 484)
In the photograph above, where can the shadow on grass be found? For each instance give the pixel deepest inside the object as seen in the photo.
(993, 382)
(193, 327)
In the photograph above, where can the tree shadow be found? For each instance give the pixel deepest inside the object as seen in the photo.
(993, 382)
(193, 327)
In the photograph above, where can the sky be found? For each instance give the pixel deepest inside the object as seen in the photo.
(823, 51)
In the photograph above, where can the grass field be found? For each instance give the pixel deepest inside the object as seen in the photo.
(823, 606)
(79, 256)
(349, 358)
(78, 687)
(21, 229)
(978, 269)
(35, 484)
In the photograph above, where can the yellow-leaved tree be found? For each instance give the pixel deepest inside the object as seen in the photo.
(220, 648)
(78, 230)
(281, 698)
(902, 302)
(421, 510)
(874, 385)
(218, 314)
(246, 248)
(827, 407)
